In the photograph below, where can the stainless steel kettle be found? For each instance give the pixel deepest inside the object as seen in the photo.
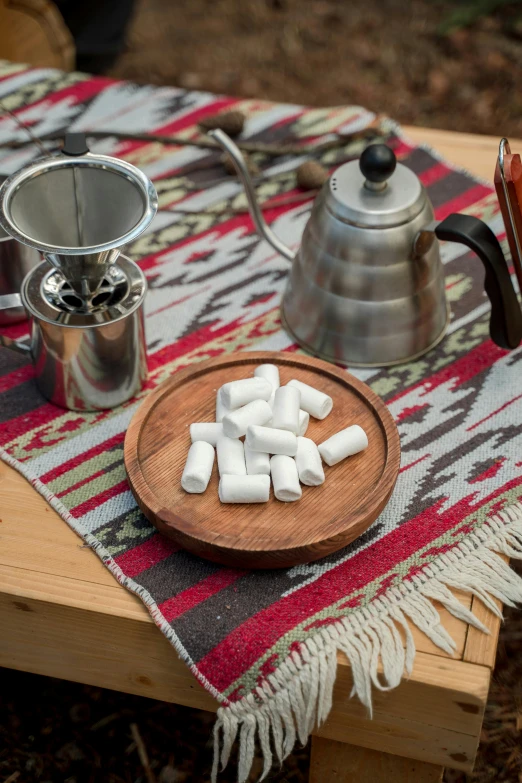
(366, 286)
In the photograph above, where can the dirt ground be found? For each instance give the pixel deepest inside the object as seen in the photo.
(399, 58)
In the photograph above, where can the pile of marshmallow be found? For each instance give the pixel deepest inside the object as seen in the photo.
(274, 419)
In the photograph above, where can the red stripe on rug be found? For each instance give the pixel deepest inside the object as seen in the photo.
(99, 500)
(434, 174)
(179, 604)
(78, 92)
(23, 424)
(182, 123)
(16, 377)
(259, 633)
(494, 413)
(412, 464)
(16, 331)
(194, 340)
(74, 462)
(468, 366)
(146, 555)
(471, 196)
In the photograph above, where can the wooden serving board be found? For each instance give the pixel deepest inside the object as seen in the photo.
(265, 535)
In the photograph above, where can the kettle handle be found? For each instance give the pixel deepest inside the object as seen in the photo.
(505, 325)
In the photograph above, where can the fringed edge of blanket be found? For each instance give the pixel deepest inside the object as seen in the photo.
(298, 696)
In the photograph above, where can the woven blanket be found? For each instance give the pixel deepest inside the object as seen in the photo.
(265, 644)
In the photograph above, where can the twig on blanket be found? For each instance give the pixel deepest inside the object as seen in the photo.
(142, 753)
(274, 150)
(293, 198)
(26, 129)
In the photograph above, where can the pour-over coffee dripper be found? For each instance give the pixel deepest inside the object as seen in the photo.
(78, 210)
(87, 338)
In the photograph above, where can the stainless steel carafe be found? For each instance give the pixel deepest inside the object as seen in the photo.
(366, 286)
(84, 360)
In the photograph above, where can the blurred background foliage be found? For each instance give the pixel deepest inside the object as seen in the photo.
(454, 64)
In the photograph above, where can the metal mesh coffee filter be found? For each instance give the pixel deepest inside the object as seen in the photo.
(79, 212)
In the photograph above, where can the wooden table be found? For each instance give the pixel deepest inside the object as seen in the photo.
(62, 614)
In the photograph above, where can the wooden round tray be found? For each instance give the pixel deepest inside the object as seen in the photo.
(273, 534)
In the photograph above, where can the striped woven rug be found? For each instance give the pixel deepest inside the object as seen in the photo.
(265, 643)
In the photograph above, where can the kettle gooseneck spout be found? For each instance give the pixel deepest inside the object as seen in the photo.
(257, 216)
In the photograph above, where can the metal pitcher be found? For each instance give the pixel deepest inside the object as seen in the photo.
(366, 286)
(84, 360)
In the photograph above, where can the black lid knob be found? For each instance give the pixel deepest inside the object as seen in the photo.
(377, 163)
(75, 145)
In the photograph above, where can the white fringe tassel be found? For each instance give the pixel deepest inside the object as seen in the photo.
(298, 696)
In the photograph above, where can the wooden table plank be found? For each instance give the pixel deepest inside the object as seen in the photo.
(435, 715)
(342, 763)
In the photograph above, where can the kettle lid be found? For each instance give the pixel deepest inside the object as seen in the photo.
(375, 191)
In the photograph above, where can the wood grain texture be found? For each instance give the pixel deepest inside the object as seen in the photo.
(481, 648)
(265, 535)
(33, 31)
(341, 763)
(435, 715)
(510, 201)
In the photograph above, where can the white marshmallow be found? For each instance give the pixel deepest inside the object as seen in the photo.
(198, 467)
(270, 372)
(231, 456)
(285, 478)
(343, 444)
(304, 421)
(270, 440)
(308, 461)
(238, 393)
(313, 401)
(235, 423)
(209, 431)
(244, 489)
(221, 408)
(286, 407)
(257, 462)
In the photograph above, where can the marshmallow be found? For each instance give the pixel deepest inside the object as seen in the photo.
(308, 461)
(235, 423)
(270, 440)
(287, 400)
(304, 421)
(198, 467)
(313, 401)
(221, 408)
(270, 372)
(231, 456)
(209, 431)
(257, 462)
(343, 444)
(285, 478)
(244, 489)
(238, 393)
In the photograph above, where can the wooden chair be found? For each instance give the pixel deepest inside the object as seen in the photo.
(33, 32)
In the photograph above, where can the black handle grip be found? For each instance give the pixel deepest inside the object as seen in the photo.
(505, 325)
(75, 144)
